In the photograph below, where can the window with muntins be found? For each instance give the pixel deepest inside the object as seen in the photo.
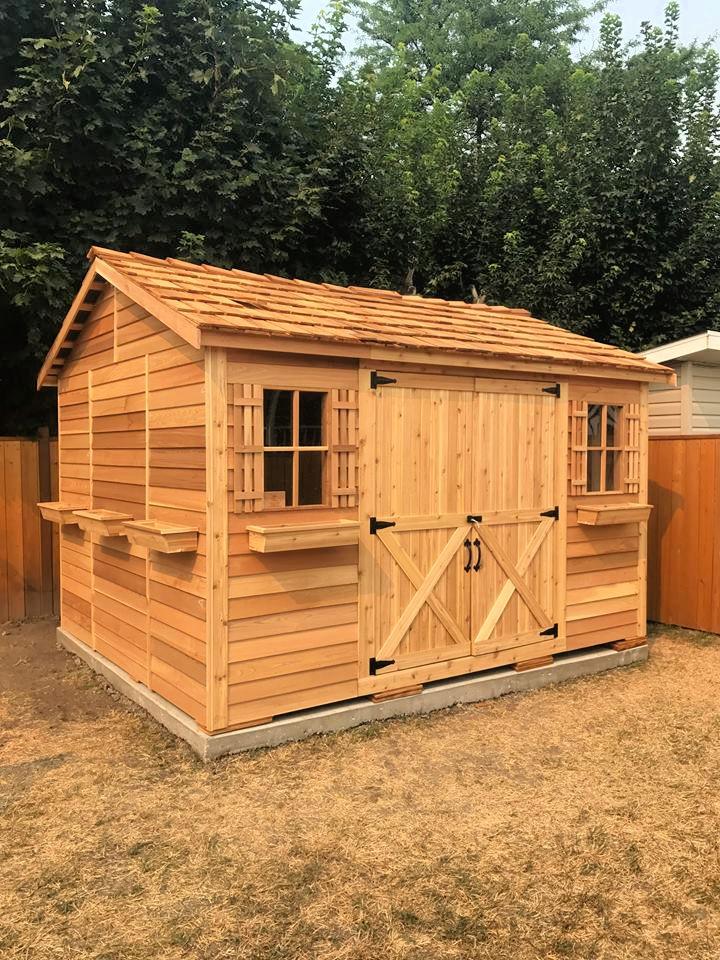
(293, 447)
(604, 448)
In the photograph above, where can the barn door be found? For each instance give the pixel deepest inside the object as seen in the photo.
(514, 490)
(420, 595)
(462, 521)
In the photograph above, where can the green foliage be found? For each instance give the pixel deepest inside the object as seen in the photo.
(464, 148)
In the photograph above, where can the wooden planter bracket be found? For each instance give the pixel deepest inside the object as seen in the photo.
(302, 536)
(161, 536)
(61, 513)
(104, 523)
(605, 514)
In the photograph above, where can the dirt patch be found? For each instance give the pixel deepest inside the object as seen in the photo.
(578, 821)
(40, 677)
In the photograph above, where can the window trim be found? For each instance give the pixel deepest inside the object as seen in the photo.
(296, 449)
(633, 439)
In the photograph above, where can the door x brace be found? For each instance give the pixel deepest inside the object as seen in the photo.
(425, 584)
(515, 582)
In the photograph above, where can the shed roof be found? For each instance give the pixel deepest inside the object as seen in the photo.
(199, 301)
(703, 347)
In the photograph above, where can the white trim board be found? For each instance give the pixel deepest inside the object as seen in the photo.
(701, 343)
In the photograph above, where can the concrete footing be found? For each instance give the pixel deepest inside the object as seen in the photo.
(352, 713)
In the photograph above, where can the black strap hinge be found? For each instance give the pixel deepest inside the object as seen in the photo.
(550, 632)
(376, 665)
(376, 380)
(474, 518)
(376, 524)
(554, 513)
(554, 390)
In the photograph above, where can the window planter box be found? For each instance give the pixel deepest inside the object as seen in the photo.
(161, 536)
(303, 536)
(606, 514)
(105, 523)
(61, 513)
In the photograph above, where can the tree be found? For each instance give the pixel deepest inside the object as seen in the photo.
(181, 128)
(465, 150)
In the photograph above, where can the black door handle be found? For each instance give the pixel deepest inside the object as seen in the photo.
(468, 547)
(477, 562)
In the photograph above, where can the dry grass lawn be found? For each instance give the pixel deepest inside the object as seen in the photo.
(579, 821)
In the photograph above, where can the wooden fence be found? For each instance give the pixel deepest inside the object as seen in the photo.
(28, 544)
(684, 532)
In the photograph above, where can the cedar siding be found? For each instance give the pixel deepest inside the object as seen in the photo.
(450, 463)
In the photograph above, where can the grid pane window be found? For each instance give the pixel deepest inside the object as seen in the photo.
(605, 453)
(295, 448)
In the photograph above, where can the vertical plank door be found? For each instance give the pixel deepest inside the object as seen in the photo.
(420, 605)
(464, 526)
(515, 495)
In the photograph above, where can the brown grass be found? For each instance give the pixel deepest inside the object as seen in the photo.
(580, 821)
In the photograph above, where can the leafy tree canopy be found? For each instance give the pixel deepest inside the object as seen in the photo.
(463, 149)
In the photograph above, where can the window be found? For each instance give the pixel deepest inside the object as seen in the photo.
(294, 448)
(604, 447)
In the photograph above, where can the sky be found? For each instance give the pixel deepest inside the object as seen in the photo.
(699, 19)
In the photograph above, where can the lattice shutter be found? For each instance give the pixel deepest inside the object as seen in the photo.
(631, 443)
(343, 447)
(249, 476)
(578, 447)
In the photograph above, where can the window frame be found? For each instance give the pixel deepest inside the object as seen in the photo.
(296, 448)
(618, 448)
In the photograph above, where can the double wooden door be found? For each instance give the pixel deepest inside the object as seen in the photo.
(462, 514)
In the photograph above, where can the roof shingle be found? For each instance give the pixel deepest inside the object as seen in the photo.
(215, 299)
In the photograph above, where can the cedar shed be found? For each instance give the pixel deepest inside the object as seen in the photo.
(275, 494)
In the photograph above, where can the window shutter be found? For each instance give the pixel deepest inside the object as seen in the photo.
(578, 447)
(631, 442)
(249, 479)
(343, 448)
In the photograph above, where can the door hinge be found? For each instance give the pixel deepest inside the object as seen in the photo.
(377, 380)
(554, 390)
(376, 524)
(554, 513)
(550, 632)
(474, 518)
(376, 665)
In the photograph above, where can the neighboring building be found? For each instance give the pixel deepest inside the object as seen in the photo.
(693, 405)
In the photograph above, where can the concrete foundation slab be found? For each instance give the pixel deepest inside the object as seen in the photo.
(352, 713)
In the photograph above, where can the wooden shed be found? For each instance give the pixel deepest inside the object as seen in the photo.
(276, 494)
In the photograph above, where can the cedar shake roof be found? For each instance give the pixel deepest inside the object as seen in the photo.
(196, 300)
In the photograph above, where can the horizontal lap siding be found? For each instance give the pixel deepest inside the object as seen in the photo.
(293, 616)
(602, 582)
(705, 397)
(93, 350)
(665, 407)
(135, 388)
(603, 562)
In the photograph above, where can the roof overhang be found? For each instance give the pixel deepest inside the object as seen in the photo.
(79, 311)
(703, 347)
(313, 346)
(95, 279)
